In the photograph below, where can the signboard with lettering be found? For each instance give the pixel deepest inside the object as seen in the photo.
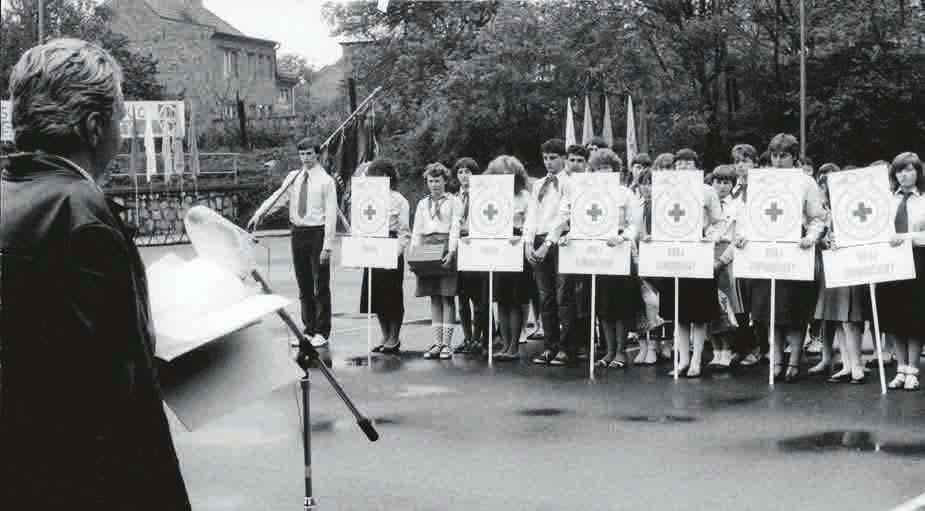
(594, 257)
(781, 261)
(677, 205)
(491, 206)
(490, 255)
(866, 264)
(359, 252)
(370, 203)
(676, 259)
(774, 210)
(6, 121)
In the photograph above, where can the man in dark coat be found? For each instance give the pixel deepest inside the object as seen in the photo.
(82, 424)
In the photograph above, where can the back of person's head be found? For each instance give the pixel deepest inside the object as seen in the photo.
(308, 143)
(605, 158)
(383, 168)
(664, 161)
(686, 155)
(55, 87)
(744, 152)
(642, 159)
(578, 150)
(506, 164)
(785, 143)
(554, 146)
(468, 163)
(765, 159)
(598, 142)
(723, 173)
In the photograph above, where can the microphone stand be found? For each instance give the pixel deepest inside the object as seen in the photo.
(308, 357)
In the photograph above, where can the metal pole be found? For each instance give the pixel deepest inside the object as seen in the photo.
(309, 502)
(802, 79)
(41, 21)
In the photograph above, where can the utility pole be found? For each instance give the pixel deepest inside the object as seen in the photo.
(41, 21)
(802, 79)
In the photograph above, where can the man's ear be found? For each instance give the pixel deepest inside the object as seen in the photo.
(93, 127)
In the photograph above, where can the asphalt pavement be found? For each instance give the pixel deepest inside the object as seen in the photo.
(459, 435)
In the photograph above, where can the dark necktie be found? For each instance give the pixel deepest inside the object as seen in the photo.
(647, 215)
(465, 208)
(303, 197)
(551, 179)
(902, 214)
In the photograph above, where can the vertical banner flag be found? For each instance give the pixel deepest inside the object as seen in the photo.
(608, 127)
(193, 144)
(6, 121)
(677, 249)
(491, 227)
(167, 156)
(631, 149)
(773, 222)
(598, 212)
(569, 126)
(369, 244)
(587, 130)
(863, 216)
(133, 153)
(150, 149)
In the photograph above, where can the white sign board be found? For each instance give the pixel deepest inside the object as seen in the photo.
(596, 212)
(676, 259)
(862, 206)
(6, 121)
(781, 261)
(774, 210)
(490, 255)
(594, 257)
(865, 264)
(491, 206)
(360, 252)
(677, 205)
(369, 210)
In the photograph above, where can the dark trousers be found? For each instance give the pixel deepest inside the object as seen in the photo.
(557, 296)
(314, 279)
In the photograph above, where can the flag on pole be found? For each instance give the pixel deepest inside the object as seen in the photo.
(167, 155)
(193, 144)
(150, 149)
(608, 127)
(587, 131)
(569, 126)
(630, 133)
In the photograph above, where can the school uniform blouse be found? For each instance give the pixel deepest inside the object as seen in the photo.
(399, 214)
(437, 217)
(546, 196)
(725, 230)
(915, 214)
(624, 200)
(814, 212)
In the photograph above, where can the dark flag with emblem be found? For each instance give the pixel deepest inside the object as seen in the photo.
(354, 145)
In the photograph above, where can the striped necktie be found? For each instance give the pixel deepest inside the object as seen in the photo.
(303, 196)
(551, 179)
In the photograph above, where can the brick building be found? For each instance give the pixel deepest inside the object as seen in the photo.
(206, 61)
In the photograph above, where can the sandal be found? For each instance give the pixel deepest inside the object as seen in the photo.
(378, 349)
(604, 362)
(616, 364)
(778, 372)
(912, 378)
(898, 381)
(793, 373)
(433, 351)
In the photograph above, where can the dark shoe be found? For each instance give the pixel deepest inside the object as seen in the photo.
(778, 372)
(841, 376)
(545, 358)
(464, 348)
(564, 359)
(391, 350)
(536, 336)
(682, 370)
(378, 349)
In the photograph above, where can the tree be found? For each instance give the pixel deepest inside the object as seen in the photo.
(81, 19)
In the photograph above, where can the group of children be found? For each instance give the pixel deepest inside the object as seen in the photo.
(733, 313)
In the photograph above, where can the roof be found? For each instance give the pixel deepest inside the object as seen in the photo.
(192, 11)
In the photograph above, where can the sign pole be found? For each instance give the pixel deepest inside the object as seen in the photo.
(491, 323)
(873, 303)
(771, 332)
(677, 328)
(593, 319)
(369, 316)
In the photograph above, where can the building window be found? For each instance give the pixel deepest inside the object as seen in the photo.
(252, 65)
(259, 66)
(230, 111)
(231, 66)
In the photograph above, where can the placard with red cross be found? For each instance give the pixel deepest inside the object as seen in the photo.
(677, 205)
(774, 208)
(369, 210)
(862, 205)
(491, 207)
(596, 212)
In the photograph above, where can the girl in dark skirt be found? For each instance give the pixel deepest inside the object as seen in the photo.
(388, 299)
(472, 292)
(795, 300)
(900, 303)
(698, 298)
(512, 289)
(436, 222)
